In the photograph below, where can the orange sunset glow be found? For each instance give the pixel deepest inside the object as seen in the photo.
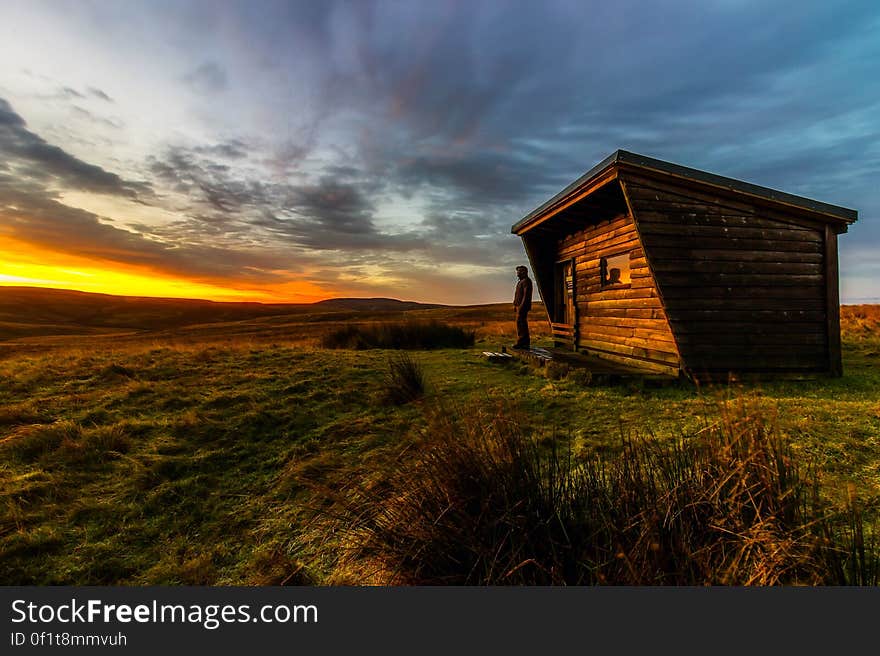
(27, 265)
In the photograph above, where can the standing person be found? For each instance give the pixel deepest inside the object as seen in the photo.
(522, 303)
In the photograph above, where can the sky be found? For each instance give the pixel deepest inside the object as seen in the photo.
(296, 151)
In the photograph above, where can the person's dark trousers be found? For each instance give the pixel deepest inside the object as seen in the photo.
(522, 329)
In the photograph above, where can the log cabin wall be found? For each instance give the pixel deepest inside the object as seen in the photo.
(624, 323)
(744, 286)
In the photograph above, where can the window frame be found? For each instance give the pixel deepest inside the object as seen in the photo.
(603, 271)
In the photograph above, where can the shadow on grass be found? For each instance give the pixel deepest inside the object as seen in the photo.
(419, 335)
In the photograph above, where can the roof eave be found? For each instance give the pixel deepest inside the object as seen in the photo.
(571, 190)
(835, 212)
(843, 216)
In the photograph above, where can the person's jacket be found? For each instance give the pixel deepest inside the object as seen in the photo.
(522, 297)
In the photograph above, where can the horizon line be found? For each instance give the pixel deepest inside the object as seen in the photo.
(207, 300)
(854, 300)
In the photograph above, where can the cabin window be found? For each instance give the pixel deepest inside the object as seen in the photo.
(615, 270)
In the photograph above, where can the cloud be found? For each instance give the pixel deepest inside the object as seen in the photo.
(337, 207)
(67, 92)
(31, 214)
(329, 214)
(35, 157)
(492, 107)
(33, 176)
(208, 79)
(210, 181)
(97, 93)
(338, 216)
(230, 149)
(94, 118)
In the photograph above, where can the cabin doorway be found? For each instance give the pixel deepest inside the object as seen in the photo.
(565, 311)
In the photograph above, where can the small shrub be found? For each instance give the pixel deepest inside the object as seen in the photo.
(418, 335)
(556, 370)
(347, 337)
(115, 372)
(405, 380)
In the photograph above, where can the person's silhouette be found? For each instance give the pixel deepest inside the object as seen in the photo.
(613, 276)
(522, 303)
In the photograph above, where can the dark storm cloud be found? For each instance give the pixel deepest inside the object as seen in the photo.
(335, 215)
(476, 179)
(30, 152)
(209, 78)
(500, 106)
(336, 207)
(187, 172)
(329, 214)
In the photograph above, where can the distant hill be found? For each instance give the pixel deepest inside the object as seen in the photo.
(36, 310)
(372, 304)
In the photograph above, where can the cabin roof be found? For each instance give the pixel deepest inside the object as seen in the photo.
(628, 160)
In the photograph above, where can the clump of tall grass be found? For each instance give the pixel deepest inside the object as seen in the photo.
(65, 442)
(115, 372)
(399, 335)
(482, 503)
(404, 380)
(582, 377)
(97, 444)
(556, 370)
(27, 444)
(27, 412)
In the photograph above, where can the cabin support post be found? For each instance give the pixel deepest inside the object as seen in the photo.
(832, 296)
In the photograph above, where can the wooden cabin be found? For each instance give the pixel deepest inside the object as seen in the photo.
(678, 271)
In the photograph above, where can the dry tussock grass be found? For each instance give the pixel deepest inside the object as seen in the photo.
(860, 321)
(480, 502)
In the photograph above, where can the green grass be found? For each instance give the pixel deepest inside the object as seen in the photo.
(200, 464)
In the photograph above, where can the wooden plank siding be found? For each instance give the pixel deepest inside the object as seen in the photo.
(563, 333)
(745, 287)
(623, 323)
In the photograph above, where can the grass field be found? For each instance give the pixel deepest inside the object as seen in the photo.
(197, 454)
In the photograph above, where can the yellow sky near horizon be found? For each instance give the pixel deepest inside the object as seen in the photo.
(28, 265)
